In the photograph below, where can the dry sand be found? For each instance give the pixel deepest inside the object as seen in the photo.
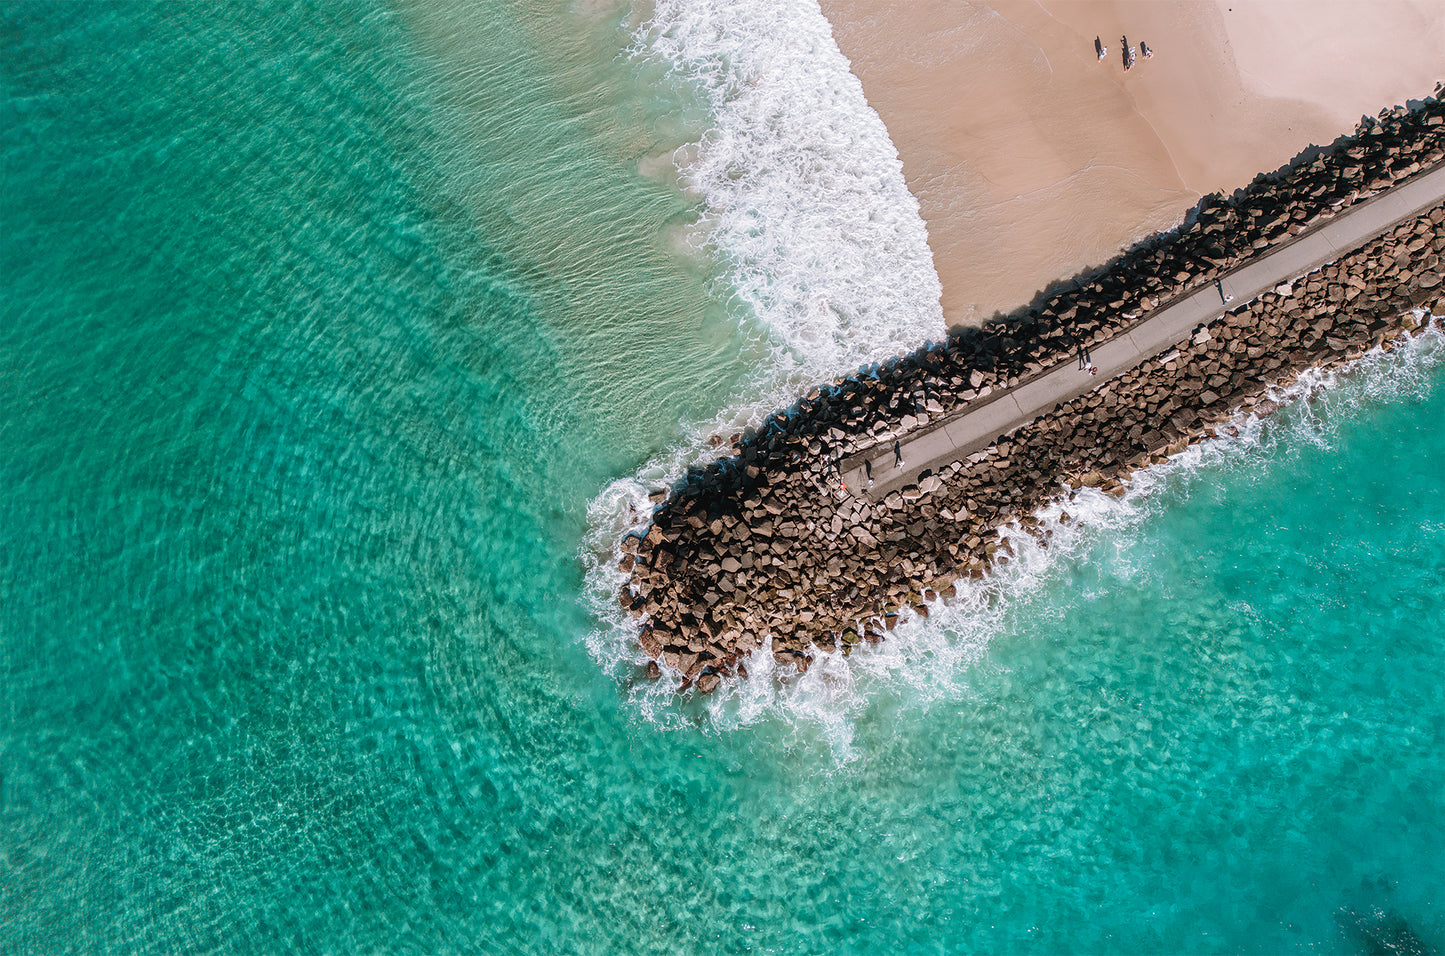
(1033, 159)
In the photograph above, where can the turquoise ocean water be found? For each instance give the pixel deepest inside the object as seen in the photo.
(334, 339)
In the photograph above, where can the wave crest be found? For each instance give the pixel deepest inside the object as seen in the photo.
(804, 202)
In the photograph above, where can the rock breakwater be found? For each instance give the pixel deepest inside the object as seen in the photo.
(765, 545)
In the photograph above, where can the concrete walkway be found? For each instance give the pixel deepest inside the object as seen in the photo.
(980, 423)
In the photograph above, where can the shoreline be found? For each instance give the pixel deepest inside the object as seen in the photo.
(762, 546)
(1065, 159)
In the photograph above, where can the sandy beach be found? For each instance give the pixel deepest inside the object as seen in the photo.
(1032, 158)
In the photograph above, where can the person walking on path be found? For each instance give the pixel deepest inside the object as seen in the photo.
(1086, 362)
(1224, 297)
(897, 454)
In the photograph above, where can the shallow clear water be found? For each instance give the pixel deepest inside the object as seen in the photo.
(325, 330)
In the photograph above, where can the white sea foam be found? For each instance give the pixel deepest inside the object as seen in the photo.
(929, 659)
(803, 196)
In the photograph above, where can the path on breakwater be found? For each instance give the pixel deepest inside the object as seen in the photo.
(930, 447)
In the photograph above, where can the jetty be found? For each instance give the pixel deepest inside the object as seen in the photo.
(785, 545)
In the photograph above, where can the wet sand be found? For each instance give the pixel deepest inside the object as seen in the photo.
(1032, 158)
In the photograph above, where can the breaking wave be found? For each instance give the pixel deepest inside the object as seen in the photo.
(802, 192)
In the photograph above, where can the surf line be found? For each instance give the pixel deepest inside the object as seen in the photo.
(788, 539)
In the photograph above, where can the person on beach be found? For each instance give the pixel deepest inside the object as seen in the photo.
(897, 455)
(1144, 50)
(1127, 52)
(1099, 48)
